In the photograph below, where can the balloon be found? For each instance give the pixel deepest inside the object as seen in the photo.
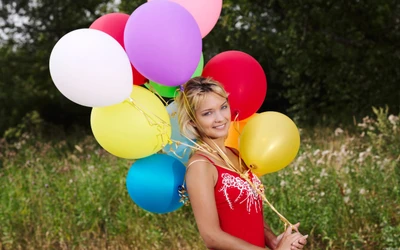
(171, 92)
(114, 25)
(164, 91)
(182, 152)
(129, 131)
(233, 134)
(163, 42)
(138, 79)
(198, 8)
(90, 68)
(200, 67)
(152, 183)
(242, 77)
(269, 142)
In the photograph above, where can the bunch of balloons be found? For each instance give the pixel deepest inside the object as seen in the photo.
(122, 65)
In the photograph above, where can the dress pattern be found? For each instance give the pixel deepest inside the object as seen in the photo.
(246, 192)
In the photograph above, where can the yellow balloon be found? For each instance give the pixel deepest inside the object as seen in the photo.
(133, 129)
(269, 142)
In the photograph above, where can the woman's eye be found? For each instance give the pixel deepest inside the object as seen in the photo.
(225, 106)
(207, 113)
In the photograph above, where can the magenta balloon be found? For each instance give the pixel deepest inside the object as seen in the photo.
(163, 42)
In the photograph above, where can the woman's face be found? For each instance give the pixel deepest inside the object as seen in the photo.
(213, 116)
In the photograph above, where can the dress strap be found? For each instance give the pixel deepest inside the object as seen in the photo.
(208, 158)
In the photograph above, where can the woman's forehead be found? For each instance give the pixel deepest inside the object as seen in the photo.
(211, 100)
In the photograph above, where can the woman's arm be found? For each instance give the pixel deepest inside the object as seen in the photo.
(271, 240)
(200, 180)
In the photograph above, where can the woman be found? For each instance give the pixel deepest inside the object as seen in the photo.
(224, 194)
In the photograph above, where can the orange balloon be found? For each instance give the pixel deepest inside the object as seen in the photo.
(234, 132)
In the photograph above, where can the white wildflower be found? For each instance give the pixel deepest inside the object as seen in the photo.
(283, 183)
(302, 169)
(362, 191)
(322, 194)
(362, 156)
(343, 150)
(346, 199)
(386, 161)
(362, 125)
(351, 211)
(316, 152)
(393, 119)
(348, 191)
(70, 181)
(320, 161)
(325, 152)
(91, 167)
(323, 173)
(338, 131)
(317, 181)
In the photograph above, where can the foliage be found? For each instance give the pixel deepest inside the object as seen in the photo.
(325, 61)
(337, 57)
(31, 30)
(70, 193)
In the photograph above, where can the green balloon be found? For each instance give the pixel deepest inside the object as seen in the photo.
(168, 91)
(164, 91)
(200, 67)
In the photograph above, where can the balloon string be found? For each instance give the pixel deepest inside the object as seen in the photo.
(161, 125)
(283, 219)
(154, 91)
(245, 176)
(204, 147)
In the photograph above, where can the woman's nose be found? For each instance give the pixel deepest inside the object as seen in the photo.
(219, 117)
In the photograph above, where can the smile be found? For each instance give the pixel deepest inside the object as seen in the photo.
(220, 126)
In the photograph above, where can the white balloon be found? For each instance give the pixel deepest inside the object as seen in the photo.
(91, 68)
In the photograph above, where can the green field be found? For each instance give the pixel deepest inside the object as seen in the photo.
(70, 194)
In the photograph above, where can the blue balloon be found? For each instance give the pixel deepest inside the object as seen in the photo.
(153, 182)
(179, 151)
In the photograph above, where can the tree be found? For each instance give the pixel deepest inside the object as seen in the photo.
(325, 61)
(338, 58)
(31, 29)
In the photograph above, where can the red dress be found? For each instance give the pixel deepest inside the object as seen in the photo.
(239, 207)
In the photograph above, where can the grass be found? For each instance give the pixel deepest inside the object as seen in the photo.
(70, 194)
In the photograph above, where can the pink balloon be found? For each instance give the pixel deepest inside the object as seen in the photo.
(205, 12)
(112, 24)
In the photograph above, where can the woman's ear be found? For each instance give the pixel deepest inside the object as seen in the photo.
(192, 123)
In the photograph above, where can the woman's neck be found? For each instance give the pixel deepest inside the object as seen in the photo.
(215, 144)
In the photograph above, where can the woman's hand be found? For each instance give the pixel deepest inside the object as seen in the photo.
(292, 241)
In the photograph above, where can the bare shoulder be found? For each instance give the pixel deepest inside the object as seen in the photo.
(199, 167)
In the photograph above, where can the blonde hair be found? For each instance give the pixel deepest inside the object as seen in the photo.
(189, 99)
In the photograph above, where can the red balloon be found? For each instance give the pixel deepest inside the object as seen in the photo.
(242, 77)
(114, 25)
